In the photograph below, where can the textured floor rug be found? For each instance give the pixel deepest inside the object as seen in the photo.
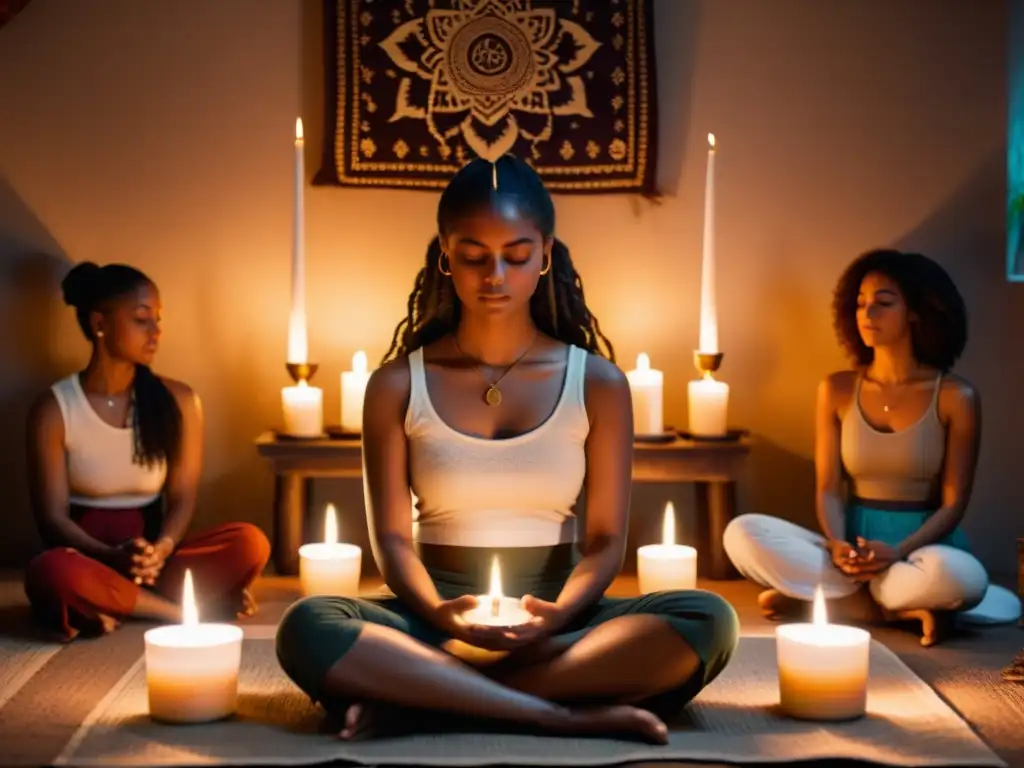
(734, 720)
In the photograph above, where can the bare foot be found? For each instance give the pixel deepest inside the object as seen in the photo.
(249, 606)
(775, 606)
(108, 623)
(360, 723)
(936, 626)
(615, 721)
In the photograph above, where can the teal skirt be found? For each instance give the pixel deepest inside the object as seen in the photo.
(893, 526)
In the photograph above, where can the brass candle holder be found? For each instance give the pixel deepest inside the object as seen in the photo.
(301, 371)
(707, 362)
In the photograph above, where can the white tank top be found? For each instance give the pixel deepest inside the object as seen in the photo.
(101, 472)
(515, 492)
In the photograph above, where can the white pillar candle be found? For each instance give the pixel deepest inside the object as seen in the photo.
(192, 668)
(708, 406)
(353, 390)
(647, 387)
(708, 305)
(823, 668)
(667, 565)
(298, 347)
(330, 568)
(303, 410)
(495, 609)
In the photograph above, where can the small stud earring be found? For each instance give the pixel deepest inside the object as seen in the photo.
(100, 334)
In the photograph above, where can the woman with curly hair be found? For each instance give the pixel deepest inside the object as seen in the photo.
(497, 403)
(896, 445)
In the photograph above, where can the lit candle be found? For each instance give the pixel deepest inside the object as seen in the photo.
(298, 347)
(353, 390)
(667, 565)
(303, 410)
(823, 668)
(330, 568)
(708, 406)
(192, 668)
(495, 609)
(647, 387)
(708, 309)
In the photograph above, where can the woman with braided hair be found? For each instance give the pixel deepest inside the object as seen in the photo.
(497, 404)
(115, 455)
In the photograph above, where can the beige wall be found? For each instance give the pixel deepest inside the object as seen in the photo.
(159, 133)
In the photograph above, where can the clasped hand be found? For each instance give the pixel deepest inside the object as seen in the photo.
(545, 621)
(865, 561)
(141, 561)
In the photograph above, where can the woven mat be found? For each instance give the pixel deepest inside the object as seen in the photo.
(733, 720)
(20, 659)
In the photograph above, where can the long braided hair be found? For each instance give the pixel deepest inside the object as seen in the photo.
(156, 417)
(558, 307)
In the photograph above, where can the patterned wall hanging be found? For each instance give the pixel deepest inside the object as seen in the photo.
(416, 88)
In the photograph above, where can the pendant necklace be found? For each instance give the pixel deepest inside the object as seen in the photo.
(493, 396)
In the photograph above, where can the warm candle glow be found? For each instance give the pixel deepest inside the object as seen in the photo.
(359, 362)
(495, 590)
(819, 614)
(711, 140)
(298, 129)
(708, 406)
(668, 525)
(643, 362)
(646, 387)
(189, 610)
(330, 525)
(495, 609)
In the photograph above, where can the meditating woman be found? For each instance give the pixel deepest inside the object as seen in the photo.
(115, 454)
(497, 404)
(904, 432)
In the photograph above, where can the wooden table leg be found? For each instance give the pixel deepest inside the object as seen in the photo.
(716, 506)
(289, 514)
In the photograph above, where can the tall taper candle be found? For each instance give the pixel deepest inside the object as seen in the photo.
(708, 308)
(298, 346)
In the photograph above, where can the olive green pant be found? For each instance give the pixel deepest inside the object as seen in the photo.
(315, 633)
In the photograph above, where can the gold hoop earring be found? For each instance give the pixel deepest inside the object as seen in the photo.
(440, 265)
(547, 268)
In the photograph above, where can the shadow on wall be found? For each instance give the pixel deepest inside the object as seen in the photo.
(32, 265)
(967, 235)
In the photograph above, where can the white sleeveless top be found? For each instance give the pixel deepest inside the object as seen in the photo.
(101, 472)
(515, 492)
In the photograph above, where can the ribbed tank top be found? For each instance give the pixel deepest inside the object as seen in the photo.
(903, 466)
(101, 472)
(515, 492)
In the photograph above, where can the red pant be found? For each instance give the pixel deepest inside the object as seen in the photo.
(68, 590)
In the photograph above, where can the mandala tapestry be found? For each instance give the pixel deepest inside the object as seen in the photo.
(417, 88)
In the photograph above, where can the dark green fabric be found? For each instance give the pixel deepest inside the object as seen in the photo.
(317, 632)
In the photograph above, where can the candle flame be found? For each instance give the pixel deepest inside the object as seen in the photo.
(298, 129)
(495, 591)
(819, 616)
(330, 525)
(668, 525)
(359, 362)
(643, 362)
(711, 140)
(189, 611)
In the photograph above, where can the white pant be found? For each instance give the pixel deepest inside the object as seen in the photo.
(778, 554)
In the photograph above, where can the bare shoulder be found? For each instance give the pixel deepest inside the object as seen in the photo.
(45, 412)
(605, 381)
(184, 395)
(837, 388)
(390, 383)
(957, 395)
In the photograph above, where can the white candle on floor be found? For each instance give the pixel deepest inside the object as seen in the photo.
(303, 410)
(495, 609)
(823, 668)
(353, 390)
(192, 668)
(330, 568)
(667, 565)
(646, 385)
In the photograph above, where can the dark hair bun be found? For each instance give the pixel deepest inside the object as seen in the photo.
(78, 284)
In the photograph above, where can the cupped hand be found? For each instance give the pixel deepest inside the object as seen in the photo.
(842, 553)
(148, 561)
